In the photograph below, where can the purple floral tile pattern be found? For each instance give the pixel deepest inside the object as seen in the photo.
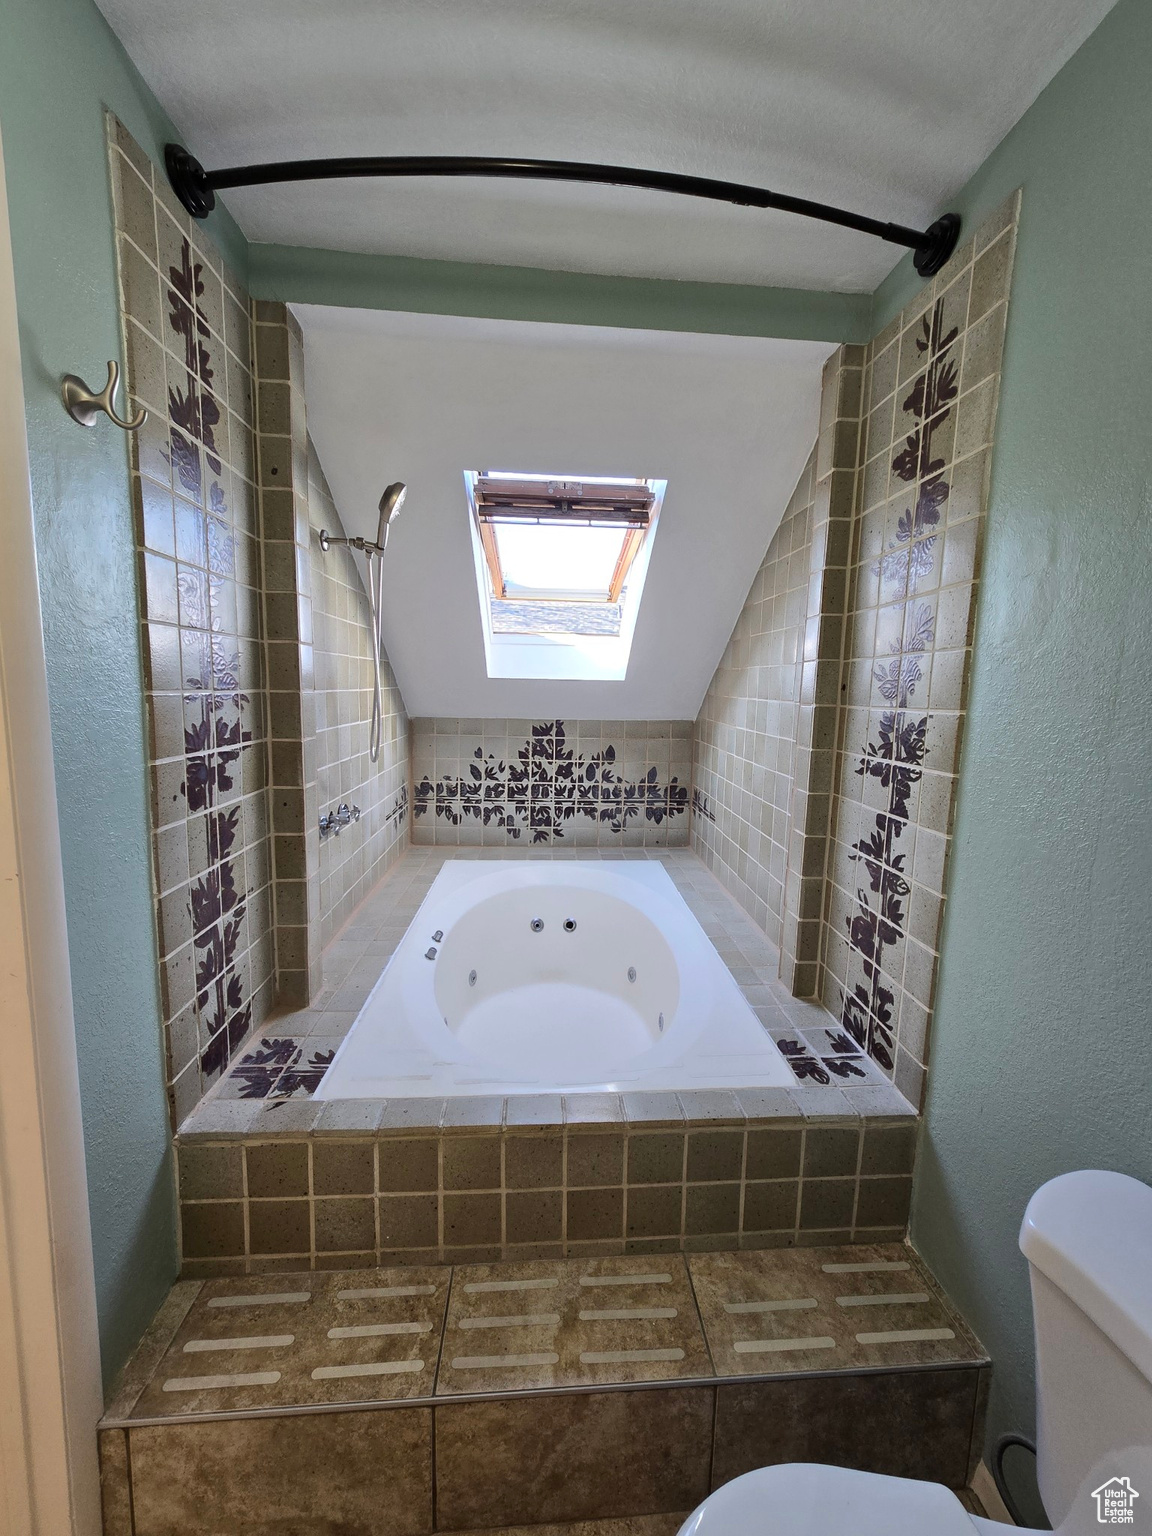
(187, 349)
(928, 409)
(895, 758)
(279, 1067)
(215, 735)
(700, 806)
(843, 1063)
(546, 790)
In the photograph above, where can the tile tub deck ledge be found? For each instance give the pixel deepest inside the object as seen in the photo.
(254, 1119)
(347, 1184)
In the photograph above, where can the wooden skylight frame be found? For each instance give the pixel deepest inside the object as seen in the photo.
(593, 503)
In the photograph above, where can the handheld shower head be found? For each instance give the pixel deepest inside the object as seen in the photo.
(390, 504)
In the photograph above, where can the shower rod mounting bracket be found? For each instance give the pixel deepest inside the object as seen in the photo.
(196, 188)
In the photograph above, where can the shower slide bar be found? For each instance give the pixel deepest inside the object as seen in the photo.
(196, 188)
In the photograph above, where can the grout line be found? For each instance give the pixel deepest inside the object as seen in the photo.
(128, 1480)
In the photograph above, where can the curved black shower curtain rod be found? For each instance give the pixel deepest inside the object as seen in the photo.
(196, 188)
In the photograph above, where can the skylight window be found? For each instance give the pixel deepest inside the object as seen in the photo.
(560, 564)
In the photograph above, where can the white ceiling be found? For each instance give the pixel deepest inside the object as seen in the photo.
(882, 106)
(728, 421)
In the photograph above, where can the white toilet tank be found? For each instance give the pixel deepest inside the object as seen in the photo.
(1087, 1237)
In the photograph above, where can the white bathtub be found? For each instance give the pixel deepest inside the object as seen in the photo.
(529, 977)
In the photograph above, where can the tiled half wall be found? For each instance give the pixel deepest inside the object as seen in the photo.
(930, 387)
(574, 783)
(319, 645)
(256, 651)
(355, 858)
(766, 730)
(745, 739)
(187, 346)
(827, 748)
(433, 1194)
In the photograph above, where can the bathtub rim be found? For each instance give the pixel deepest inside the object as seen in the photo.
(644, 884)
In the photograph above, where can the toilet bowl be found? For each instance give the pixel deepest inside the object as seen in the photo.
(1087, 1237)
(802, 1499)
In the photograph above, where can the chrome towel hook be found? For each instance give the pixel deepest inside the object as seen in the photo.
(83, 406)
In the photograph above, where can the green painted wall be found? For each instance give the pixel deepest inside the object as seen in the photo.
(296, 274)
(59, 66)
(1042, 1047)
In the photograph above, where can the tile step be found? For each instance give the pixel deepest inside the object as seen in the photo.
(487, 1396)
(311, 1339)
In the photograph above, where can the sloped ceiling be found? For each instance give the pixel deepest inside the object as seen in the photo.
(884, 107)
(728, 421)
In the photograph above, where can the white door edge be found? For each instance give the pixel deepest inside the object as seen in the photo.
(50, 1390)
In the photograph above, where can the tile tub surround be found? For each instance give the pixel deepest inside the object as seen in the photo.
(767, 727)
(254, 661)
(187, 347)
(930, 389)
(745, 736)
(583, 783)
(828, 744)
(490, 1178)
(354, 860)
(547, 1391)
(286, 543)
(320, 698)
(420, 1195)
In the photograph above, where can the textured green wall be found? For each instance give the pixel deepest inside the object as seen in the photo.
(59, 66)
(1042, 1047)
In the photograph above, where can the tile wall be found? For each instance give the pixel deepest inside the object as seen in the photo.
(427, 1193)
(352, 861)
(745, 736)
(256, 646)
(187, 347)
(286, 537)
(767, 728)
(828, 745)
(582, 783)
(816, 717)
(930, 388)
